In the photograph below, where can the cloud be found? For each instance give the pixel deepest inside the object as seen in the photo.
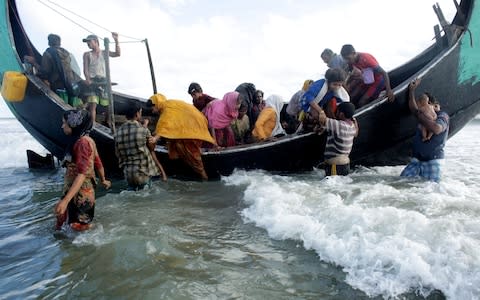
(172, 4)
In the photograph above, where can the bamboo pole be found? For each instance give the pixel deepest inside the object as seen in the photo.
(108, 86)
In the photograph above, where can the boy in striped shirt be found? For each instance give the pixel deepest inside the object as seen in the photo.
(340, 134)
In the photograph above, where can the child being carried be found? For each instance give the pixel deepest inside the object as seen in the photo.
(427, 105)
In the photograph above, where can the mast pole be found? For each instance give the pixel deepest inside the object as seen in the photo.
(152, 72)
(109, 85)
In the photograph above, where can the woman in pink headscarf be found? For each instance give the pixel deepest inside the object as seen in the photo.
(220, 114)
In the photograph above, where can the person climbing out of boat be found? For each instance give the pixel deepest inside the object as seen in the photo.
(185, 130)
(375, 78)
(56, 69)
(220, 114)
(135, 155)
(294, 107)
(426, 107)
(200, 99)
(95, 75)
(241, 125)
(341, 131)
(268, 124)
(333, 60)
(427, 155)
(77, 205)
(323, 95)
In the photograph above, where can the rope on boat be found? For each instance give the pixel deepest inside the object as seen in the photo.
(134, 40)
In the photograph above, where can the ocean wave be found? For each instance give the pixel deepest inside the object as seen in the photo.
(390, 236)
(14, 143)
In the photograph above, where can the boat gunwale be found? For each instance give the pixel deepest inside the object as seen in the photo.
(249, 147)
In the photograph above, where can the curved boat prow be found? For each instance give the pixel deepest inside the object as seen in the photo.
(41, 110)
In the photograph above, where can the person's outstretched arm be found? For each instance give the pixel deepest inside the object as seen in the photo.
(388, 87)
(117, 46)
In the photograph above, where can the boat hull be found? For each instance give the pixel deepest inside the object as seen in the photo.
(285, 155)
(451, 73)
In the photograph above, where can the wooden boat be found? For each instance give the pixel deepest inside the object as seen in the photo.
(450, 68)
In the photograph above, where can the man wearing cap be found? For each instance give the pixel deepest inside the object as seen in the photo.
(340, 134)
(95, 72)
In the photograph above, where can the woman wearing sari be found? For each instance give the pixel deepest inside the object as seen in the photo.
(292, 118)
(268, 123)
(220, 114)
(76, 207)
(185, 128)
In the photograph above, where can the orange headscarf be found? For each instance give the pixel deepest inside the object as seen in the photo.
(180, 120)
(306, 84)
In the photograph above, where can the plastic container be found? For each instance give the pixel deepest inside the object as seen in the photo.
(14, 86)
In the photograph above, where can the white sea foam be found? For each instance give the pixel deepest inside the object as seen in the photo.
(151, 249)
(390, 235)
(14, 142)
(97, 236)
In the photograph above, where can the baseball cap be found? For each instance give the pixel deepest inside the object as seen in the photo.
(91, 37)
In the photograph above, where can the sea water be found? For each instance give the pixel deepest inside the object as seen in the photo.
(251, 235)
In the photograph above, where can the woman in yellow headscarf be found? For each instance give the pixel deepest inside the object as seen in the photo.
(185, 128)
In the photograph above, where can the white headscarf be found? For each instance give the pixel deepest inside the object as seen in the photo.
(276, 102)
(340, 93)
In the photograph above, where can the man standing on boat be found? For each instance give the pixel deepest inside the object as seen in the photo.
(340, 134)
(56, 69)
(427, 155)
(95, 73)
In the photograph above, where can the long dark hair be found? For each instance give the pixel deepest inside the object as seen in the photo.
(80, 121)
(247, 91)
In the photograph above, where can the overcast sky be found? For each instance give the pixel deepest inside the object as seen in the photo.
(275, 44)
